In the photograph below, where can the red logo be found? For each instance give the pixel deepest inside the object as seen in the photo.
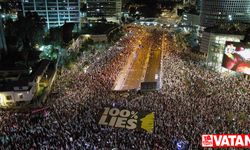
(207, 141)
(226, 140)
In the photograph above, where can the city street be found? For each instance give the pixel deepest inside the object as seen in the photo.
(143, 65)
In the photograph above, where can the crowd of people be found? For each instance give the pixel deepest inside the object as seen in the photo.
(192, 101)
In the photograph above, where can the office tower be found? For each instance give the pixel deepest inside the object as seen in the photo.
(214, 12)
(56, 12)
(109, 9)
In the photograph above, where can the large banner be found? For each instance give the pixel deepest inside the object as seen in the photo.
(130, 119)
(237, 57)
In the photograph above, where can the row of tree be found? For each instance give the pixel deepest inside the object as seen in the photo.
(30, 30)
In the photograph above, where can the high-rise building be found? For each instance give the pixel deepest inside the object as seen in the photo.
(56, 12)
(213, 44)
(214, 12)
(3, 47)
(109, 9)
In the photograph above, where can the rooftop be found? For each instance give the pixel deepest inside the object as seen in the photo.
(19, 77)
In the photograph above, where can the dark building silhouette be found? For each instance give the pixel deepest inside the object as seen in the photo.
(3, 47)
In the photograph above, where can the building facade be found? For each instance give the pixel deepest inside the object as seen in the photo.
(56, 12)
(17, 86)
(213, 45)
(109, 9)
(191, 19)
(214, 12)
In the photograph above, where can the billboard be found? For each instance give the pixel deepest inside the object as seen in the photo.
(236, 57)
(129, 119)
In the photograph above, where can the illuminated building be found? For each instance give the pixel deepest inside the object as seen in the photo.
(191, 19)
(109, 9)
(19, 84)
(56, 12)
(213, 43)
(214, 12)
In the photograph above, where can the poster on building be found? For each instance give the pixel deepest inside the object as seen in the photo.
(236, 57)
(129, 119)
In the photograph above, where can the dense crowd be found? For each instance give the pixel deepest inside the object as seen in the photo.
(191, 102)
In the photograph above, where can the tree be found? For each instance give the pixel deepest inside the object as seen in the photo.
(86, 44)
(49, 52)
(241, 27)
(28, 29)
(123, 19)
(10, 29)
(132, 11)
(55, 36)
(31, 28)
